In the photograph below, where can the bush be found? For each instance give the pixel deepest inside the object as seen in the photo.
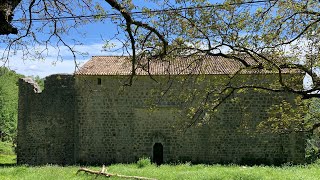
(312, 149)
(6, 148)
(143, 162)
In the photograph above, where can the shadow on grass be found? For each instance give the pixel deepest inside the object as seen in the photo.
(8, 164)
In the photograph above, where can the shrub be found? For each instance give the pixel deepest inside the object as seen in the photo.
(6, 148)
(143, 162)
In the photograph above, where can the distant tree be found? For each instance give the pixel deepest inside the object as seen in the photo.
(39, 81)
(313, 143)
(8, 104)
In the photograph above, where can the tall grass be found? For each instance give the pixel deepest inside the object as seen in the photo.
(7, 155)
(168, 172)
(6, 148)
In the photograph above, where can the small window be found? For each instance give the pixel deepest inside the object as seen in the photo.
(99, 81)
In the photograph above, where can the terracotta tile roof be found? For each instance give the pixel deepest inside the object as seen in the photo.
(121, 65)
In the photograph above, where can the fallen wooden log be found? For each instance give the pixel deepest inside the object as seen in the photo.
(103, 172)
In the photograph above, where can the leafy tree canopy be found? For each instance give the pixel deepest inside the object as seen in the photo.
(275, 34)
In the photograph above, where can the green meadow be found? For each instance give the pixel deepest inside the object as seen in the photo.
(9, 170)
(167, 172)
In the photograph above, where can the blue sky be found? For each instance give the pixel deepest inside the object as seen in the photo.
(93, 41)
(95, 34)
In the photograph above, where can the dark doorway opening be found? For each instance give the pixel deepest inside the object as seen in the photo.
(158, 153)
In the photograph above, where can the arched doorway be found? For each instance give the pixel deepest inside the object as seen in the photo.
(158, 153)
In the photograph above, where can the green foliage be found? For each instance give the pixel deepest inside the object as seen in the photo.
(143, 162)
(312, 149)
(287, 117)
(6, 148)
(299, 115)
(313, 143)
(8, 104)
(39, 81)
(7, 155)
(313, 114)
(7, 159)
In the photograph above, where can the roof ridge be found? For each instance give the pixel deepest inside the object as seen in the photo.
(108, 56)
(129, 56)
(117, 65)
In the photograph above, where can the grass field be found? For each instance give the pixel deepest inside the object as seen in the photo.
(182, 171)
(8, 171)
(7, 155)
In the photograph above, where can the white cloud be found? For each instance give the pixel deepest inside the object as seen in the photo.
(44, 68)
(51, 63)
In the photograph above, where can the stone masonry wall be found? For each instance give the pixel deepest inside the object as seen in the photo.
(78, 120)
(116, 125)
(46, 121)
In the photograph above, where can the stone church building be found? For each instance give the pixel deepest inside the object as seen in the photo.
(91, 117)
